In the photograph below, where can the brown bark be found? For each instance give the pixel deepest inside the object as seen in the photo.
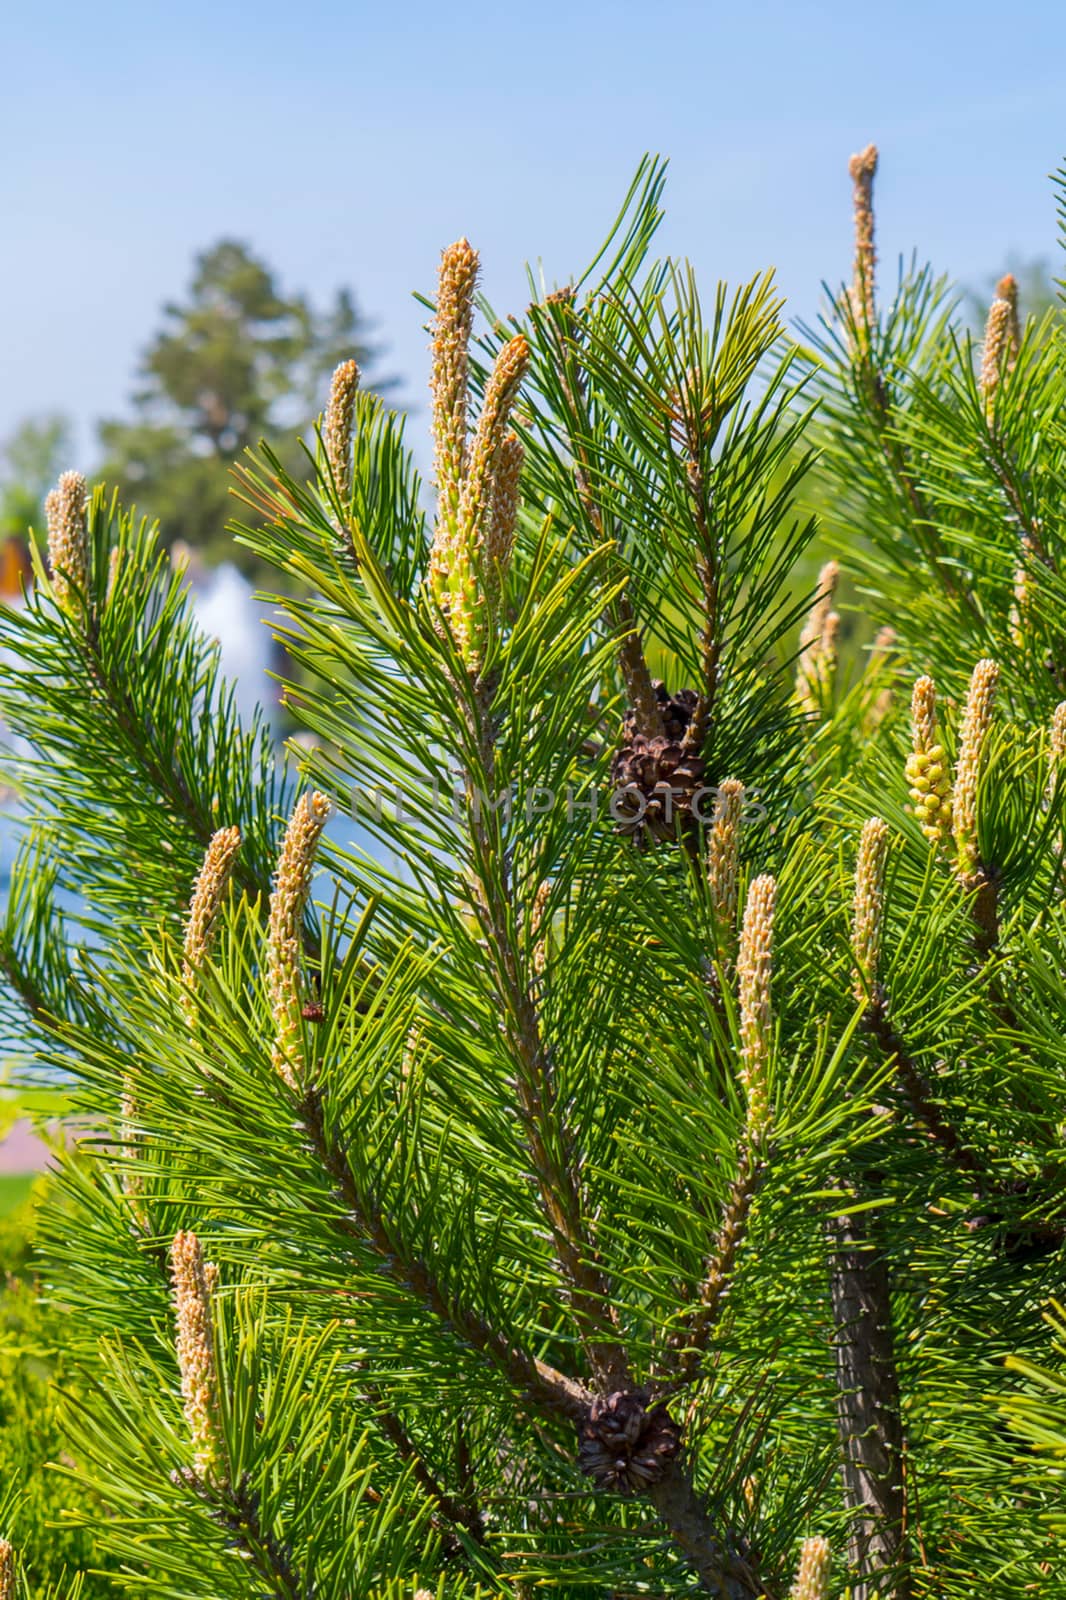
(643, 705)
(720, 1573)
(689, 1342)
(868, 1410)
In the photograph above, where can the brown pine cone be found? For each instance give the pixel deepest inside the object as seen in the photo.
(623, 1446)
(676, 710)
(655, 779)
(654, 784)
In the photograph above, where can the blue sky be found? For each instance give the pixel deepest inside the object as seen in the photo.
(349, 143)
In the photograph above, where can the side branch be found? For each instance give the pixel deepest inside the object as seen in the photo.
(458, 1514)
(640, 694)
(547, 1138)
(916, 1088)
(235, 1507)
(689, 1342)
(708, 571)
(919, 1097)
(1004, 470)
(157, 762)
(237, 1510)
(542, 1384)
(879, 410)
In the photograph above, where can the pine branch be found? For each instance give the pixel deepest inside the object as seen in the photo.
(895, 456)
(1001, 348)
(984, 910)
(720, 1572)
(689, 1342)
(35, 957)
(929, 1115)
(640, 694)
(549, 1142)
(916, 1088)
(540, 1383)
(1005, 471)
(673, 1497)
(708, 572)
(461, 1514)
(160, 767)
(133, 732)
(542, 1163)
(634, 668)
(237, 1510)
(22, 984)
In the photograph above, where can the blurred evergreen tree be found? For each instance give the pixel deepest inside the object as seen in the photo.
(30, 461)
(237, 362)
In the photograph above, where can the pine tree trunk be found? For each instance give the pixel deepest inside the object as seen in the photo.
(868, 1410)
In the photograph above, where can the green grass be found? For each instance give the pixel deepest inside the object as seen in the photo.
(14, 1189)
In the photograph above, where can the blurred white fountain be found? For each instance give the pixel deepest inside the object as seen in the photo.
(226, 609)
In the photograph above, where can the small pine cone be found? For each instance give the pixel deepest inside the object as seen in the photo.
(625, 1447)
(654, 782)
(656, 778)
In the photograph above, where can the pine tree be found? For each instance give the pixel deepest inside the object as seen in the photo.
(631, 1175)
(240, 360)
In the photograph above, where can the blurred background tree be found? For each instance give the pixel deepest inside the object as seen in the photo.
(237, 362)
(30, 461)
